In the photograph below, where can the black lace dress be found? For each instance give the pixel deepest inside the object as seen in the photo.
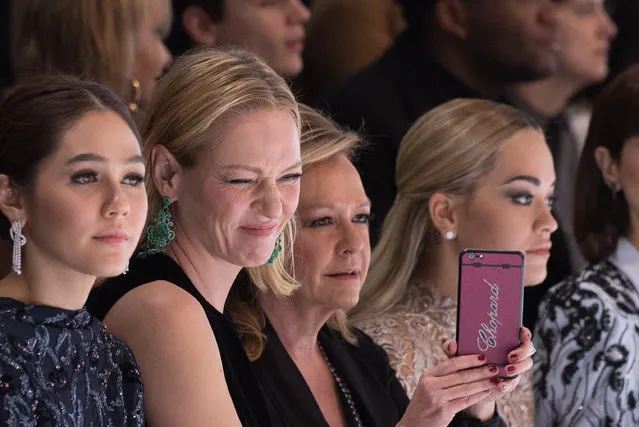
(62, 368)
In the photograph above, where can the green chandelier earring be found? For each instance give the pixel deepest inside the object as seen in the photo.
(159, 234)
(276, 250)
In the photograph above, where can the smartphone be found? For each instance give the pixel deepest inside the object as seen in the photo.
(490, 304)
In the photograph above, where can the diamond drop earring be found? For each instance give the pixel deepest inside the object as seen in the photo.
(19, 240)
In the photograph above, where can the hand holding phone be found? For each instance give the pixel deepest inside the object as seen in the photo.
(490, 304)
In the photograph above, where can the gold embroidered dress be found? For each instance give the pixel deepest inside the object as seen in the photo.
(412, 333)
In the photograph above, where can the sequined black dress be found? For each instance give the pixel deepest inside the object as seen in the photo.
(62, 368)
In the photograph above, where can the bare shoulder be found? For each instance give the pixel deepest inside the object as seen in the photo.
(172, 339)
(158, 310)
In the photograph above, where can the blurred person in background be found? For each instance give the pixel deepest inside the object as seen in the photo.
(272, 29)
(587, 32)
(344, 37)
(118, 43)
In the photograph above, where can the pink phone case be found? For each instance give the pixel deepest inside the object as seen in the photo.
(490, 304)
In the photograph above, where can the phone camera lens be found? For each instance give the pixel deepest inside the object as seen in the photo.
(471, 256)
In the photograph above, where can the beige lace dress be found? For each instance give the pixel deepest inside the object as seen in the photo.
(412, 334)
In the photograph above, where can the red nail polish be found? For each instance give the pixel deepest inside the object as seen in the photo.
(513, 358)
(493, 369)
(482, 358)
(494, 381)
(510, 369)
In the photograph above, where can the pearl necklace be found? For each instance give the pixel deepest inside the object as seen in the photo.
(343, 388)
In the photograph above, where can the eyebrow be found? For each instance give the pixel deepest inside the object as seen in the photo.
(364, 204)
(258, 170)
(528, 178)
(91, 157)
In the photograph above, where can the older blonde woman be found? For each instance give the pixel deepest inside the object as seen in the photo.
(222, 147)
(470, 174)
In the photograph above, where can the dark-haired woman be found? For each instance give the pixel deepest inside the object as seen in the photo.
(587, 367)
(72, 202)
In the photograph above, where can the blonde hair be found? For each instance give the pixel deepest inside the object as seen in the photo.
(448, 150)
(322, 140)
(91, 39)
(199, 93)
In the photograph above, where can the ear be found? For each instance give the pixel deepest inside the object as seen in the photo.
(608, 167)
(166, 173)
(199, 26)
(443, 212)
(11, 203)
(452, 17)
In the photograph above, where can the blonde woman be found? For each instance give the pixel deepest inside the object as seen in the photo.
(470, 174)
(317, 369)
(221, 140)
(118, 43)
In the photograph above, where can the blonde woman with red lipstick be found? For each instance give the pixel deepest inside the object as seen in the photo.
(470, 174)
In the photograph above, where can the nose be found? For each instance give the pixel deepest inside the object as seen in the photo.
(546, 221)
(165, 56)
(608, 27)
(115, 202)
(269, 201)
(352, 240)
(299, 13)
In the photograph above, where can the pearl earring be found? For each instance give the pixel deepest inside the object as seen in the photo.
(450, 235)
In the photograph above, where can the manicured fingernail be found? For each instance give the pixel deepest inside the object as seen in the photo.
(510, 369)
(482, 358)
(495, 381)
(513, 358)
(527, 334)
(493, 369)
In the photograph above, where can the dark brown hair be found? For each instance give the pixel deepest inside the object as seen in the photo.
(34, 116)
(179, 41)
(601, 218)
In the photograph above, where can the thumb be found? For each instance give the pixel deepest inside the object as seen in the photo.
(450, 348)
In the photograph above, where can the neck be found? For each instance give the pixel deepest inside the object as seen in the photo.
(296, 324)
(451, 56)
(439, 267)
(633, 232)
(550, 96)
(211, 276)
(46, 282)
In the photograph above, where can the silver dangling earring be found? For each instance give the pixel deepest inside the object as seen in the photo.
(15, 232)
(613, 189)
(126, 268)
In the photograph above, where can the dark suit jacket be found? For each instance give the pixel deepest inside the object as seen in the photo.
(383, 101)
(379, 397)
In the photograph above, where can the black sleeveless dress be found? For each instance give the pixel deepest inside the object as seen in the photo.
(241, 380)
